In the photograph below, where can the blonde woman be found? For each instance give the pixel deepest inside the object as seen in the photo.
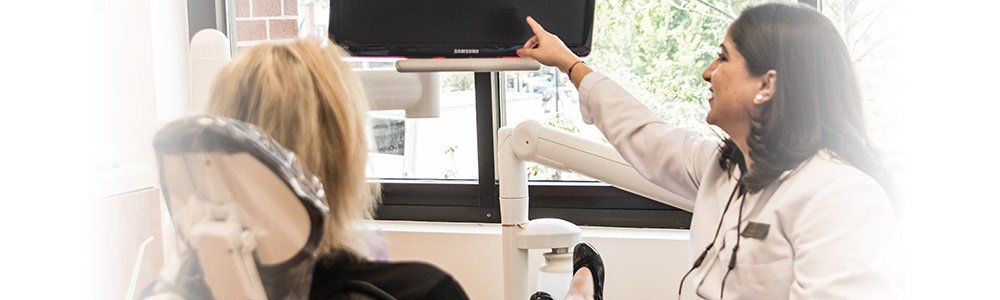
(306, 97)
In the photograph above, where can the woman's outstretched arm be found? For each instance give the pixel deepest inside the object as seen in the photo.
(673, 158)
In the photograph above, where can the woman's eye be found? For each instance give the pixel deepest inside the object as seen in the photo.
(721, 57)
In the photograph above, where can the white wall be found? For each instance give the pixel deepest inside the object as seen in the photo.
(142, 70)
(144, 66)
(79, 88)
(641, 263)
(169, 27)
(127, 103)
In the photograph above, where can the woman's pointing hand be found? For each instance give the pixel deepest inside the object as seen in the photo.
(547, 48)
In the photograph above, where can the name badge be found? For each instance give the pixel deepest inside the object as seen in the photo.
(756, 230)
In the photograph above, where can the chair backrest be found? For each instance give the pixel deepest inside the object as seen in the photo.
(248, 215)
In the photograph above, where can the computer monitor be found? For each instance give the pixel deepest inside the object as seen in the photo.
(455, 28)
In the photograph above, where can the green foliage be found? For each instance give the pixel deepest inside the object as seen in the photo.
(450, 173)
(864, 25)
(563, 124)
(539, 172)
(658, 49)
(457, 81)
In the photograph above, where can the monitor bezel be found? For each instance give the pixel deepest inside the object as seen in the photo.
(451, 50)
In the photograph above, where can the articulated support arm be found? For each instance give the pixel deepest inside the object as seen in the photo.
(530, 141)
(533, 142)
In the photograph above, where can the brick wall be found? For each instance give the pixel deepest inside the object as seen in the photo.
(263, 20)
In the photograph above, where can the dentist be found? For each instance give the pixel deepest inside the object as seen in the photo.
(793, 204)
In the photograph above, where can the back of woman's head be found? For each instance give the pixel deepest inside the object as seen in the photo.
(817, 102)
(306, 97)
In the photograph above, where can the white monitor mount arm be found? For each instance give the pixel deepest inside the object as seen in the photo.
(530, 141)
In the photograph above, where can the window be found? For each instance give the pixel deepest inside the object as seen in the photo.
(658, 52)
(425, 148)
(443, 169)
(873, 43)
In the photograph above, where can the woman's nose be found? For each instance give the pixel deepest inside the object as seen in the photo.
(707, 73)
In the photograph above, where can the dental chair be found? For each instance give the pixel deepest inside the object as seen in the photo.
(248, 217)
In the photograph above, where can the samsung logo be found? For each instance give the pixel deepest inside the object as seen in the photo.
(466, 51)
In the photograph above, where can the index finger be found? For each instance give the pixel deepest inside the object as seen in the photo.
(535, 27)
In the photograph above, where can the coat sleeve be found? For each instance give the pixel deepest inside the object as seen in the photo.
(845, 242)
(672, 158)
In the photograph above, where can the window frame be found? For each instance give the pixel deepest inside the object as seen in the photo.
(583, 203)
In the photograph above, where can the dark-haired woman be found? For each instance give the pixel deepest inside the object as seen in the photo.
(793, 204)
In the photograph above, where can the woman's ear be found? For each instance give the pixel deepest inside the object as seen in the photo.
(768, 85)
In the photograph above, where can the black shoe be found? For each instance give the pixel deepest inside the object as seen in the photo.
(585, 255)
(540, 295)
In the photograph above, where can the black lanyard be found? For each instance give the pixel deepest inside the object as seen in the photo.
(732, 261)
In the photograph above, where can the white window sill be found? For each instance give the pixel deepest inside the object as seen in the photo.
(494, 229)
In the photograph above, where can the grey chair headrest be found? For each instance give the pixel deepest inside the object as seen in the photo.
(211, 164)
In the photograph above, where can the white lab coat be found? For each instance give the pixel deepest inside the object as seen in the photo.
(832, 235)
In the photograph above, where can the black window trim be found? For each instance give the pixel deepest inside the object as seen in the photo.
(583, 203)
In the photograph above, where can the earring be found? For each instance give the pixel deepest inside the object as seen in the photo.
(759, 99)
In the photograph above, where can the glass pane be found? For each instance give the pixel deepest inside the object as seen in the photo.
(433, 148)
(437, 148)
(548, 97)
(868, 31)
(655, 49)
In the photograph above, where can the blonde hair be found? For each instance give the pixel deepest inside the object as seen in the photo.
(307, 98)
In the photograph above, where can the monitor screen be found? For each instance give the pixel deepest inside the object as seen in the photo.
(455, 28)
